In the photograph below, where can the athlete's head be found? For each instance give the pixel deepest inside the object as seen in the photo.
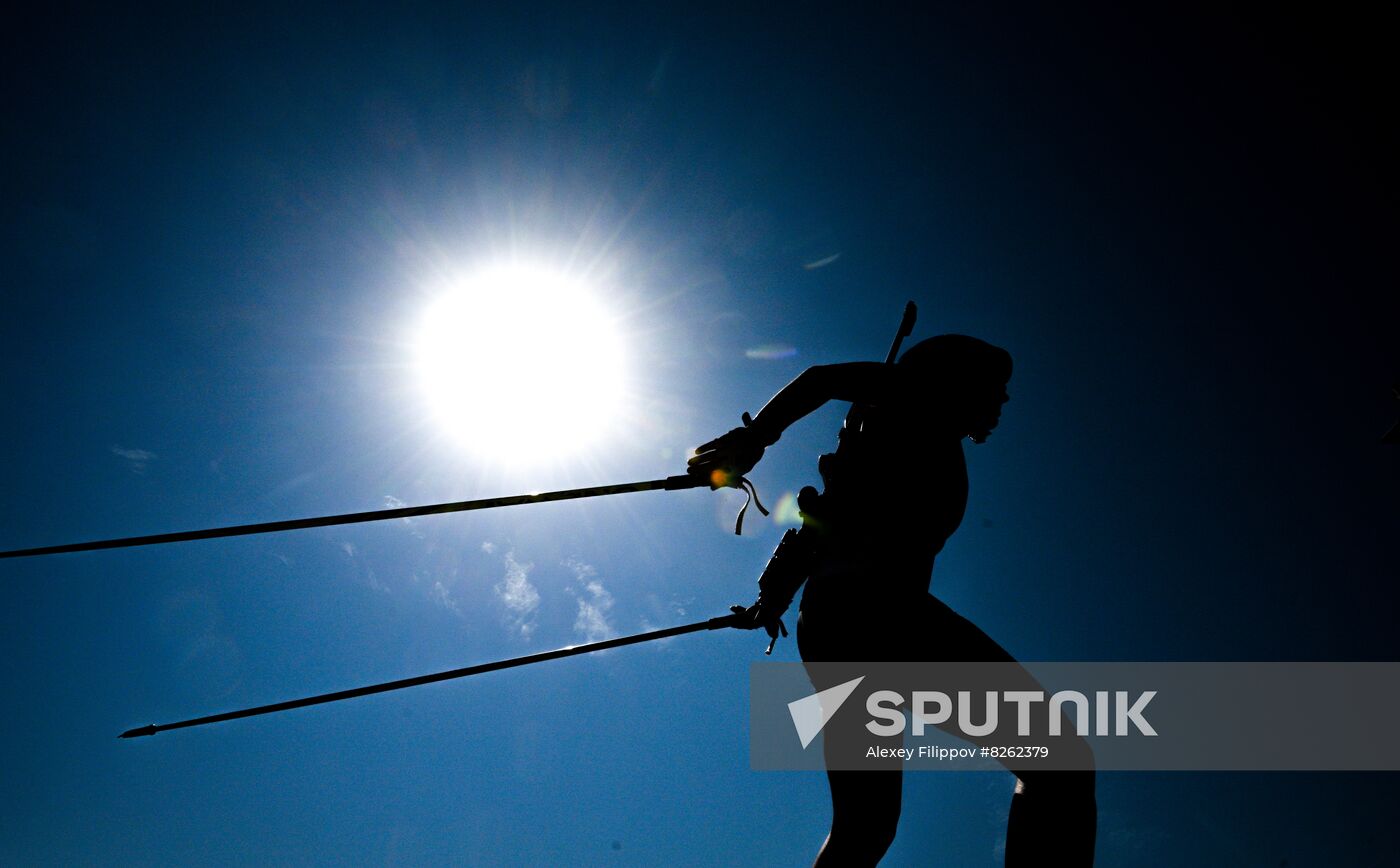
(969, 378)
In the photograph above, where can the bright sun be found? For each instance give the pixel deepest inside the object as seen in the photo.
(520, 364)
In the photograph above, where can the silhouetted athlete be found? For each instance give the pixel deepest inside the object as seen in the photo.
(894, 492)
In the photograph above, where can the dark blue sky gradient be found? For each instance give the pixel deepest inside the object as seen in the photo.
(1182, 226)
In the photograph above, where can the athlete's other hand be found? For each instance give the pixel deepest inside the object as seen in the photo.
(758, 615)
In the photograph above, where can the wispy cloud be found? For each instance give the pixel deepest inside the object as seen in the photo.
(136, 459)
(594, 603)
(392, 502)
(519, 596)
(374, 582)
(680, 607)
(443, 597)
(592, 620)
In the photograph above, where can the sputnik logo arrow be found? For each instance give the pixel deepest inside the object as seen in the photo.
(810, 713)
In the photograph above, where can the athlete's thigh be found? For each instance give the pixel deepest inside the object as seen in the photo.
(934, 632)
(951, 638)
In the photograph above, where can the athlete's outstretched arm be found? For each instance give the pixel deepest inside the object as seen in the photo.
(726, 458)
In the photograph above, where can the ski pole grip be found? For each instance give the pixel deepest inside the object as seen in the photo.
(723, 621)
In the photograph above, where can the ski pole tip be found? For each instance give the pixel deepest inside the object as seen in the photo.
(148, 729)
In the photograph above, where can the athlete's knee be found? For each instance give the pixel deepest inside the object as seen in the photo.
(1053, 812)
(1074, 773)
(1068, 787)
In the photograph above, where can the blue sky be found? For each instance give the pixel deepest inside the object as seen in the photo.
(220, 231)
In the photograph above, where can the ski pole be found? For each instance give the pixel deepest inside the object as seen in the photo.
(670, 483)
(320, 699)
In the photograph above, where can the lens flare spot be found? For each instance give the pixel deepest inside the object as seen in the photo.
(785, 512)
(720, 478)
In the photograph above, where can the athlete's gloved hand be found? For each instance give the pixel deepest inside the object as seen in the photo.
(723, 461)
(758, 615)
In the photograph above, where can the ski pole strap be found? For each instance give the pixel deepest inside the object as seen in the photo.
(751, 493)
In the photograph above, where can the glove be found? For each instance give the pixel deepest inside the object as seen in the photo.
(756, 616)
(724, 461)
